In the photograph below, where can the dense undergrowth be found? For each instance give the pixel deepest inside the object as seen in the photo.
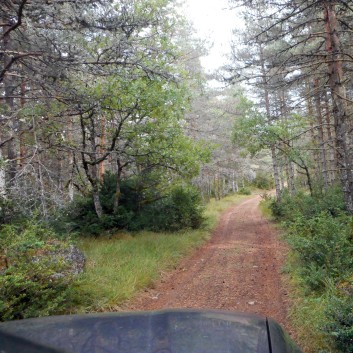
(142, 206)
(33, 282)
(320, 234)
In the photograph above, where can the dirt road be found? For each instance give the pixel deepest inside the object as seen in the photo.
(238, 269)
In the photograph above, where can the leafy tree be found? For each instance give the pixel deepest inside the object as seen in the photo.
(302, 50)
(101, 86)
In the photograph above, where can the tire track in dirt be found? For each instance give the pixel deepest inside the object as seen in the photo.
(238, 269)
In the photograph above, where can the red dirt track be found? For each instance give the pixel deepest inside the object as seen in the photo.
(238, 269)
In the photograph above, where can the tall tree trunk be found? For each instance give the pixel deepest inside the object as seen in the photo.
(95, 186)
(97, 203)
(2, 178)
(268, 115)
(321, 138)
(118, 186)
(339, 100)
(333, 160)
(23, 150)
(102, 149)
(288, 163)
(71, 162)
(291, 170)
(313, 134)
(9, 88)
(43, 200)
(235, 187)
(276, 172)
(89, 159)
(281, 176)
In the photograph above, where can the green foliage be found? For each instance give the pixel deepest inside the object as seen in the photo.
(117, 268)
(180, 209)
(32, 283)
(340, 322)
(121, 265)
(304, 205)
(8, 211)
(253, 132)
(249, 130)
(320, 234)
(141, 206)
(323, 247)
(263, 181)
(244, 191)
(307, 316)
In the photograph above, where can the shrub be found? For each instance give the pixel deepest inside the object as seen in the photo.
(320, 233)
(323, 247)
(180, 209)
(304, 205)
(8, 211)
(340, 322)
(140, 208)
(32, 282)
(244, 191)
(263, 181)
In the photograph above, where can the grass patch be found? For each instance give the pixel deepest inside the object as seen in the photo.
(119, 267)
(307, 311)
(266, 209)
(215, 208)
(307, 316)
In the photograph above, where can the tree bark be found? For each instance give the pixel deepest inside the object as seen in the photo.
(118, 187)
(321, 139)
(9, 88)
(275, 172)
(2, 178)
(333, 155)
(97, 204)
(313, 134)
(268, 114)
(101, 148)
(339, 100)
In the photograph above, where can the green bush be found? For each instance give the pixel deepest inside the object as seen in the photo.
(323, 246)
(180, 209)
(340, 322)
(304, 205)
(244, 191)
(320, 234)
(263, 181)
(140, 208)
(32, 283)
(8, 211)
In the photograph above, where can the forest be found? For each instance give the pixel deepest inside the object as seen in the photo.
(108, 125)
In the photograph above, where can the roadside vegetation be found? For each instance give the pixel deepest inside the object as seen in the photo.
(320, 266)
(119, 263)
(120, 266)
(35, 279)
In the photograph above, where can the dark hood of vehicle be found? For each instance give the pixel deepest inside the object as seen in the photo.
(170, 331)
